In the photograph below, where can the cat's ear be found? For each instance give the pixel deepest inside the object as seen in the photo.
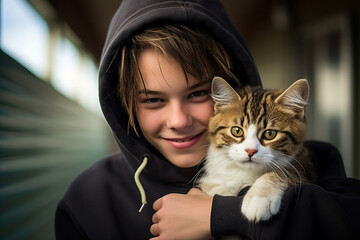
(296, 96)
(222, 92)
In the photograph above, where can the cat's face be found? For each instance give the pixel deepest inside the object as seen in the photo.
(258, 128)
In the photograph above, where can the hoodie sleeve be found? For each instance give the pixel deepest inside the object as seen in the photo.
(307, 213)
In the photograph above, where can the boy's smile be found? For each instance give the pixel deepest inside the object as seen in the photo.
(185, 142)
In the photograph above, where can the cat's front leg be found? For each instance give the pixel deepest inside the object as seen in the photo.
(264, 197)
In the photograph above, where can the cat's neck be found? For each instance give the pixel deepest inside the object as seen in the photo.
(223, 176)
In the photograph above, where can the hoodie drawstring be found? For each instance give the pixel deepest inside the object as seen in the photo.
(138, 183)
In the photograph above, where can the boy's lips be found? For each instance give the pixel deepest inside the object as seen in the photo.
(186, 142)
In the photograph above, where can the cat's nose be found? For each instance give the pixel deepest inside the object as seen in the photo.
(251, 152)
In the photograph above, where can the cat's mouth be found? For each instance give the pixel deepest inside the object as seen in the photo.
(250, 163)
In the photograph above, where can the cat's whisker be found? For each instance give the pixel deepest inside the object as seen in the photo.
(268, 167)
(300, 164)
(283, 170)
(298, 173)
(278, 170)
(288, 163)
(204, 146)
(198, 173)
(284, 162)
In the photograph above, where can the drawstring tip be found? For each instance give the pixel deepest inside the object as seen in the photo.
(138, 183)
(142, 206)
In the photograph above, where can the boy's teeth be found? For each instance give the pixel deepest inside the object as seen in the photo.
(180, 141)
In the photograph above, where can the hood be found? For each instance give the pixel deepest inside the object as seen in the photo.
(132, 16)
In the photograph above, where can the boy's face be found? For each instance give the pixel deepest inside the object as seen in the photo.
(173, 115)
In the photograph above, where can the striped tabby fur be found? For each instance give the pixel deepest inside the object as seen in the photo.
(256, 139)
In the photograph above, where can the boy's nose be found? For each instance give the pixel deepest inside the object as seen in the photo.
(178, 117)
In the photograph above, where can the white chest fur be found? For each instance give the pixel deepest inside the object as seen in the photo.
(225, 177)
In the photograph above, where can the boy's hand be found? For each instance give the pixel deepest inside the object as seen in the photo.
(182, 216)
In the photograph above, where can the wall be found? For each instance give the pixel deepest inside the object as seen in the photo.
(281, 53)
(46, 140)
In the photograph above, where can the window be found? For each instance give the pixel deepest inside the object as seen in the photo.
(328, 60)
(24, 35)
(74, 74)
(47, 51)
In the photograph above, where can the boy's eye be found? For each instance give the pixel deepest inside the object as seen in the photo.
(151, 103)
(152, 100)
(199, 94)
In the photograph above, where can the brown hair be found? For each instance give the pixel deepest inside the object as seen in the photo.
(199, 55)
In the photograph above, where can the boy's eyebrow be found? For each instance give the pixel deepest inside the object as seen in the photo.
(196, 85)
(199, 84)
(148, 92)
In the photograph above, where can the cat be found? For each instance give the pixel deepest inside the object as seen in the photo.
(256, 140)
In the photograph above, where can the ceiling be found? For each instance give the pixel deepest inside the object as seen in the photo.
(89, 19)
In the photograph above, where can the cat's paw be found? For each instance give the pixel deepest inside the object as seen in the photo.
(260, 208)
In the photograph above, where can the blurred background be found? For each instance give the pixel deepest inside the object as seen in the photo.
(51, 126)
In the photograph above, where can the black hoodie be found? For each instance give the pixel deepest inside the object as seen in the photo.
(103, 202)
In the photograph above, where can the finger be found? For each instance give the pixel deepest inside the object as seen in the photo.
(157, 204)
(154, 229)
(155, 218)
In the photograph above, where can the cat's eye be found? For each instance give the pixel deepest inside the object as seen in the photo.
(269, 134)
(237, 132)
